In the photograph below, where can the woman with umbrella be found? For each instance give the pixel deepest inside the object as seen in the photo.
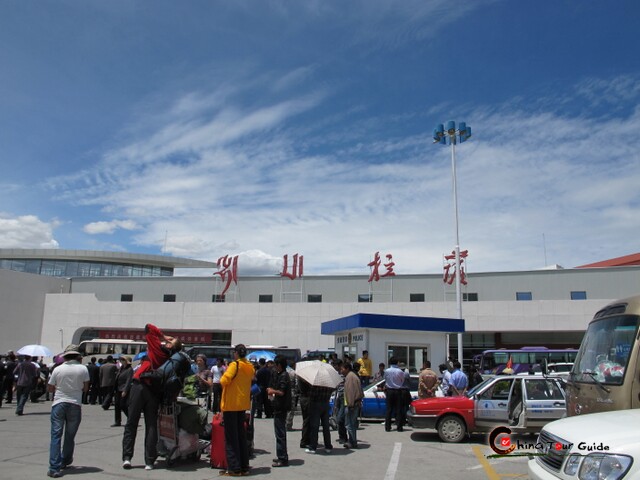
(323, 379)
(27, 373)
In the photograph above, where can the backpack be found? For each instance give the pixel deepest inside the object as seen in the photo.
(190, 388)
(168, 379)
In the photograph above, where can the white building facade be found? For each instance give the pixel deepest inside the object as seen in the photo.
(501, 309)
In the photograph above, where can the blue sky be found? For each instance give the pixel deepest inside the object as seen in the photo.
(263, 128)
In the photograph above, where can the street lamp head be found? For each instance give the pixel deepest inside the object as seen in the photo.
(438, 134)
(451, 127)
(451, 135)
(462, 131)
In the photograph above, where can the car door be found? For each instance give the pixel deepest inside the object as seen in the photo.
(374, 403)
(544, 402)
(413, 382)
(491, 404)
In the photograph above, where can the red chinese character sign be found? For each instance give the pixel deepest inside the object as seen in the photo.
(228, 271)
(297, 269)
(450, 267)
(375, 267)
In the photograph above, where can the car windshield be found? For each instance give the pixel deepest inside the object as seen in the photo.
(470, 393)
(413, 380)
(374, 386)
(605, 350)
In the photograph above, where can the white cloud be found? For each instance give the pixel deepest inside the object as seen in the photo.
(617, 91)
(27, 231)
(251, 181)
(96, 228)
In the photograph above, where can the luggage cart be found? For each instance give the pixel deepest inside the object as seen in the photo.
(173, 444)
(203, 399)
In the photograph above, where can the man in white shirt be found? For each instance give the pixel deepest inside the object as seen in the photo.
(446, 380)
(458, 382)
(217, 370)
(67, 382)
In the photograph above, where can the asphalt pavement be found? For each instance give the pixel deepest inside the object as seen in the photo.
(24, 453)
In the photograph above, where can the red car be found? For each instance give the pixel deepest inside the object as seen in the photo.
(524, 403)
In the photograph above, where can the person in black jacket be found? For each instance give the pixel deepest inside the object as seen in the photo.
(108, 373)
(279, 394)
(263, 377)
(475, 378)
(3, 370)
(123, 385)
(7, 384)
(94, 388)
(304, 392)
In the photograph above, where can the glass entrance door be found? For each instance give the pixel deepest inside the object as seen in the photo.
(413, 356)
(350, 350)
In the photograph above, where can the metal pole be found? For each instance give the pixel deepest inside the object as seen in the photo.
(457, 247)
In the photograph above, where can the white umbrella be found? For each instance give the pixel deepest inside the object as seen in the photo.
(35, 351)
(319, 374)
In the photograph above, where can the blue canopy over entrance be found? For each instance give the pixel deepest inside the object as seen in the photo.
(392, 322)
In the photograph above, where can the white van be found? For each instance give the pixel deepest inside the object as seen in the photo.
(593, 446)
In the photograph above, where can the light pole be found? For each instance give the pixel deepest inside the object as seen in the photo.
(452, 136)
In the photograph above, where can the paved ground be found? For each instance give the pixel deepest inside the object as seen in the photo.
(24, 453)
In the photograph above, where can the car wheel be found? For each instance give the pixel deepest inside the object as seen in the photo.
(451, 429)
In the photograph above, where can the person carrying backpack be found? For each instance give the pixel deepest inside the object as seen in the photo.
(142, 397)
(235, 401)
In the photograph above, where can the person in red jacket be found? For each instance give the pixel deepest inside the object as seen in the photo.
(142, 398)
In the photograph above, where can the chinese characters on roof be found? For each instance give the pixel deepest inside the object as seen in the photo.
(450, 267)
(228, 268)
(297, 269)
(228, 271)
(375, 264)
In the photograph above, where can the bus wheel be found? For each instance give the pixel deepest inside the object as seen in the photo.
(451, 429)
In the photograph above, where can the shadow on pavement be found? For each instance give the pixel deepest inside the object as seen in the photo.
(81, 470)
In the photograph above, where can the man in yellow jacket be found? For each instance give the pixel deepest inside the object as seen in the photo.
(366, 368)
(235, 401)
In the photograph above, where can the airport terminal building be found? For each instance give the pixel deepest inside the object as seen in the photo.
(56, 297)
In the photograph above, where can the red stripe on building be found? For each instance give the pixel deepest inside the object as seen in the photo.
(138, 335)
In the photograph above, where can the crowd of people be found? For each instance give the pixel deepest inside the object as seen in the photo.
(268, 388)
(22, 378)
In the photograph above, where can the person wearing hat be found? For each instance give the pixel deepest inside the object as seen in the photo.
(67, 381)
(123, 385)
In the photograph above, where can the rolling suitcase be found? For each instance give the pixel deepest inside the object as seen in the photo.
(218, 452)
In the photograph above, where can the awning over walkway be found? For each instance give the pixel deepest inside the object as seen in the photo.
(392, 322)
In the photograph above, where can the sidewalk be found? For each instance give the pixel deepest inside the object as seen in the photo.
(24, 450)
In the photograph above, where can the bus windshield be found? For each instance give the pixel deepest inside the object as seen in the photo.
(605, 349)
